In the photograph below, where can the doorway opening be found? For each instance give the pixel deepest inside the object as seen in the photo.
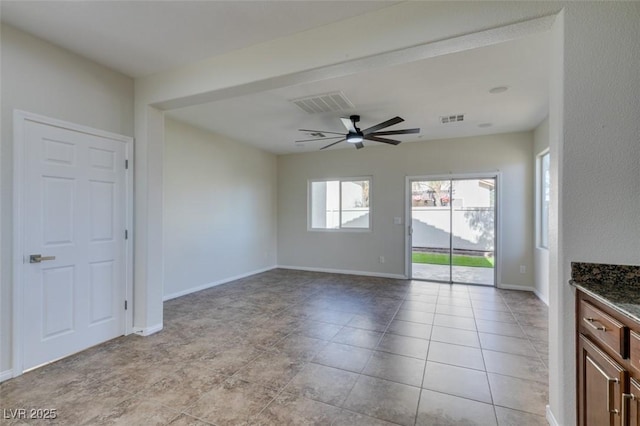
(452, 229)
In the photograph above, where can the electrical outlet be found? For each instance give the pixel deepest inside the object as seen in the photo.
(523, 269)
(381, 260)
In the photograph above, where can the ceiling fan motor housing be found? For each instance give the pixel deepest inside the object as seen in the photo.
(357, 136)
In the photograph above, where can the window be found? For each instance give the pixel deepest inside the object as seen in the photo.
(544, 186)
(340, 204)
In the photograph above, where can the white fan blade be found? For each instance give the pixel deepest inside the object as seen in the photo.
(348, 124)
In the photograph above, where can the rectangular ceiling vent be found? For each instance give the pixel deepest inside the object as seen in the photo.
(326, 102)
(446, 119)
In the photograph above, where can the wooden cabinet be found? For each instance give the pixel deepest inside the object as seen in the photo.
(634, 351)
(600, 386)
(608, 365)
(632, 403)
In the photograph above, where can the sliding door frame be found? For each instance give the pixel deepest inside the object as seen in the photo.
(497, 267)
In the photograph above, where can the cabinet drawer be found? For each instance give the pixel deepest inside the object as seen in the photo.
(634, 350)
(603, 328)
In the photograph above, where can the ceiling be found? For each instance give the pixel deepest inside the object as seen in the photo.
(420, 92)
(139, 38)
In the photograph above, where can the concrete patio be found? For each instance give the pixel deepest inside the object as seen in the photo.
(460, 274)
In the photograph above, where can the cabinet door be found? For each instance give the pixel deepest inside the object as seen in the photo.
(601, 382)
(632, 403)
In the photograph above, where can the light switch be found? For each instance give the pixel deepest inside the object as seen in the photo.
(397, 220)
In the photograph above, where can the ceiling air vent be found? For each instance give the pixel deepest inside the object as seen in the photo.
(327, 102)
(445, 119)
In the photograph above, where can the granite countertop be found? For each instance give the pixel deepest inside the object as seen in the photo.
(617, 286)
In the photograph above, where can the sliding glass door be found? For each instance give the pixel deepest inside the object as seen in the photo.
(453, 230)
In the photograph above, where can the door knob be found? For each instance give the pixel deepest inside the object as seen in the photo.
(37, 258)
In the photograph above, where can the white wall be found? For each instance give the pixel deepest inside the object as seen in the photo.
(601, 167)
(219, 209)
(600, 154)
(39, 77)
(511, 154)
(540, 255)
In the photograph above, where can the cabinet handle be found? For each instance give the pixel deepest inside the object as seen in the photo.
(610, 400)
(630, 397)
(590, 322)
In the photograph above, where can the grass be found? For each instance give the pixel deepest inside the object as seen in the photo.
(458, 260)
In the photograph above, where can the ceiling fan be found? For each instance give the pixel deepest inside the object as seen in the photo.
(355, 136)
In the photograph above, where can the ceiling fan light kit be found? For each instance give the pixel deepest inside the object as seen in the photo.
(356, 136)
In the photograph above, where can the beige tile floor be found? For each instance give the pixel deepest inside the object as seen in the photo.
(289, 348)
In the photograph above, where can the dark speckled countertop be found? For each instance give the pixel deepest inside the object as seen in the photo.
(618, 286)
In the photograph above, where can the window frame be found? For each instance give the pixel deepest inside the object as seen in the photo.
(541, 225)
(340, 180)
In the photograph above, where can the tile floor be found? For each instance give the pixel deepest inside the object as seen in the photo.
(289, 347)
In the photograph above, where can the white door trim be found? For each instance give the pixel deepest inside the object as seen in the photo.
(497, 175)
(19, 119)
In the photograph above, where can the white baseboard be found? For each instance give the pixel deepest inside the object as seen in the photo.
(523, 288)
(6, 375)
(544, 300)
(215, 283)
(515, 287)
(550, 418)
(148, 331)
(344, 271)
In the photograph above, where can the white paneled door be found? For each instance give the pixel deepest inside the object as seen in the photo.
(74, 220)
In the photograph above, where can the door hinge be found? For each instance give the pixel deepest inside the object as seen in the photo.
(125, 305)
(126, 164)
(126, 234)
